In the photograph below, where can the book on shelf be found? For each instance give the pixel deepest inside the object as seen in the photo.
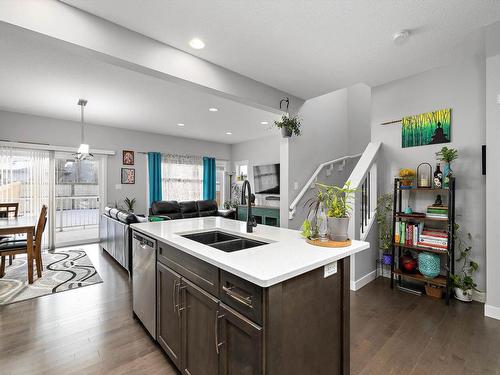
(433, 238)
(437, 212)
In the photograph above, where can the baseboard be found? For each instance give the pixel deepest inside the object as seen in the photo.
(492, 311)
(358, 284)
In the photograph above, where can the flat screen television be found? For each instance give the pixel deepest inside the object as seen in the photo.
(266, 179)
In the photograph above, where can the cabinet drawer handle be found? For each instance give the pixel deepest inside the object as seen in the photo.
(247, 301)
(217, 343)
(174, 295)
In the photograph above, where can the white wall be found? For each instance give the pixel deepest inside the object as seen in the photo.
(492, 307)
(462, 88)
(257, 152)
(27, 128)
(358, 114)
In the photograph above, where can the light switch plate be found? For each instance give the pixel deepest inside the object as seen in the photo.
(330, 269)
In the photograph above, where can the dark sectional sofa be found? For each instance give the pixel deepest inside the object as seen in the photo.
(115, 234)
(172, 210)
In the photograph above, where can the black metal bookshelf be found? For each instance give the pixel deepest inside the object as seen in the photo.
(443, 280)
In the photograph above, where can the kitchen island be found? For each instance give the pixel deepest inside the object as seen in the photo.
(230, 302)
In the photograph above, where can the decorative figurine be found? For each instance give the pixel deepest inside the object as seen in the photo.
(438, 202)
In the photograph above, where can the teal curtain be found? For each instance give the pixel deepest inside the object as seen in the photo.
(154, 173)
(209, 177)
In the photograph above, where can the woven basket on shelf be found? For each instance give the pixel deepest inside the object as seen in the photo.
(434, 291)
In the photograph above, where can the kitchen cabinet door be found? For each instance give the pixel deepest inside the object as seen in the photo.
(241, 349)
(199, 315)
(168, 329)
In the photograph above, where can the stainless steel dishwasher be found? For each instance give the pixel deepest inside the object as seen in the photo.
(144, 280)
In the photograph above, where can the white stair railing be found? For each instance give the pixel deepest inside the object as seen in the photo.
(364, 203)
(311, 182)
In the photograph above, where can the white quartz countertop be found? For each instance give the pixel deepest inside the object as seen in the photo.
(287, 255)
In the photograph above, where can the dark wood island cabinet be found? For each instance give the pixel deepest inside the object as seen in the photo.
(212, 322)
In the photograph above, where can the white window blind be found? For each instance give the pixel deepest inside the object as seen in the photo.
(182, 177)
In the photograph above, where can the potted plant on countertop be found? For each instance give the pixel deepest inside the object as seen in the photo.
(447, 155)
(383, 217)
(336, 200)
(129, 204)
(463, 283)
(310, 227)
(289, 125)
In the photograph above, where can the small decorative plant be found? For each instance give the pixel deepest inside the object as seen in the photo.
(309, 226)
(337, 199)
(289, 125)
(447, 155)
(231, 204)
(383, 218)
(407, 176)
(129, 203)
(463, 281)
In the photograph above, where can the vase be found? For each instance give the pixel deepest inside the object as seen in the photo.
(286, 133)
(386, 259)
(429, 264)
(337, 228)
(322, 223)
(464, 296)
(447, 172)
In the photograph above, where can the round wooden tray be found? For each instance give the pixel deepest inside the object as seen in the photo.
(329, 243)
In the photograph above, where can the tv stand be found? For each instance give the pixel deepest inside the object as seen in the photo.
(263, 215)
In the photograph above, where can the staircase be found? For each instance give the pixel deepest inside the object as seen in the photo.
(363, 177)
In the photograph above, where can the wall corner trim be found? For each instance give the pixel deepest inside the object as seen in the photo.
(361, 282)
(492, 311)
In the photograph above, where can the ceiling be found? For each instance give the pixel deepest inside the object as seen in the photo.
(305, 47)
(41, 77)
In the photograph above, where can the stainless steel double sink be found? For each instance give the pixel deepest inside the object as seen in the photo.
(223, 241)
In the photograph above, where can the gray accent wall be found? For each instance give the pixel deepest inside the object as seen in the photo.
(492, 175)
(460, 87)
(27, 128)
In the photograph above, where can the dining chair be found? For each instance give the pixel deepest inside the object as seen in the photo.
(9, 210)
(16, 246)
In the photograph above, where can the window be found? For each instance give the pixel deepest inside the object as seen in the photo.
(182, 177)
(220, 183)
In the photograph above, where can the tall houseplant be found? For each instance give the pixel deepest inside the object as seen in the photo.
(289, 125)
(463, 281)
(383, 217)
(336, 200)
(447, 155)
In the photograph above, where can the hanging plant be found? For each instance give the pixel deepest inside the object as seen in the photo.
(289, 125)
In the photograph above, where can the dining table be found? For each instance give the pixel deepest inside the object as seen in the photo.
(17, 226)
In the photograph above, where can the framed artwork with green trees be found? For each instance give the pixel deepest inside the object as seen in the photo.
(426, 129)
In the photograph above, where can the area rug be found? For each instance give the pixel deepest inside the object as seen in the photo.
(62, 270)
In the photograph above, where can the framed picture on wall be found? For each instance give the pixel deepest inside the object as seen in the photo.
(128, 176)
(128, 157)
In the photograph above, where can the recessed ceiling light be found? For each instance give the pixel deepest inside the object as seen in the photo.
(264, 123)
(180, 124)
(213, 109)
(197, 43)
(229, 133)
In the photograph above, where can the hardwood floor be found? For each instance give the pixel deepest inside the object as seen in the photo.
(91, 331)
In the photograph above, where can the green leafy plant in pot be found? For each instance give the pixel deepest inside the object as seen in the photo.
(129, 204)
(383, 216)
(447, 155)
(336, 200)
(310, 225)
(463, 281)
(289, 125)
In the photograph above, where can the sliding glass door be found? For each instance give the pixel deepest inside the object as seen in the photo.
(73, 192)
(77, 199)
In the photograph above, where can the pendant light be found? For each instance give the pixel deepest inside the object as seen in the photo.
(83, 151)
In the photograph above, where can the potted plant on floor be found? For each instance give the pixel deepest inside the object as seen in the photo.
(447, 155)
(336, 200)
(463, 283)
(383, 217)
(289, 125)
